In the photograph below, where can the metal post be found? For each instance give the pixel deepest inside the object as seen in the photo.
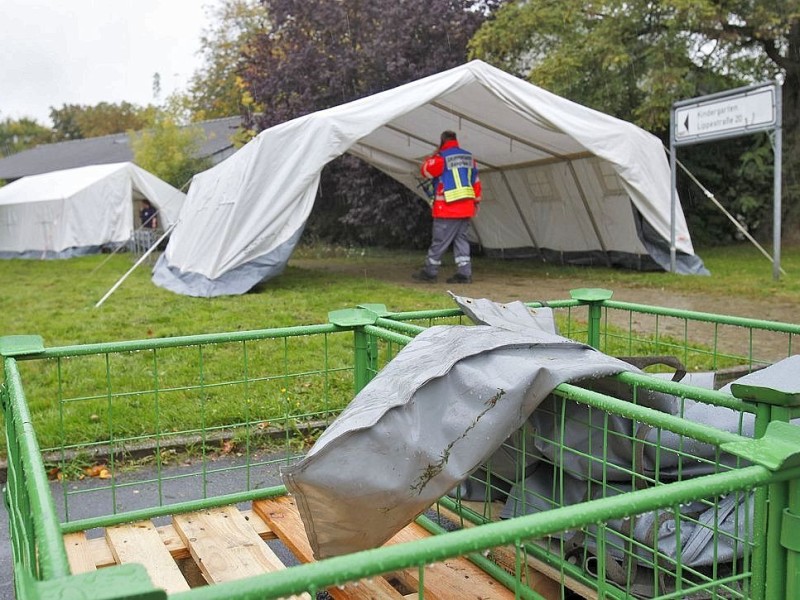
(790, 538)
(777, 176)
(673, 267)
(594, 298)
(361, 375)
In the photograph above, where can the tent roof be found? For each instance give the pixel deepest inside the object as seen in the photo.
(56, 184)
(68, 183)
(78, 211)
(510, 125)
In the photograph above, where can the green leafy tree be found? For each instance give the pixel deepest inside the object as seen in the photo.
(75, 121)
(317, 54)
(169, 150)
(20, 134)
(216, 89)
(634, 58)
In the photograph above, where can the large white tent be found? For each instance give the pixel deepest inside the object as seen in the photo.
(560, 181)
(79, 211)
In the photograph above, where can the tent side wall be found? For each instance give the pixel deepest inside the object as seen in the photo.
(30, 230)
(76, 212)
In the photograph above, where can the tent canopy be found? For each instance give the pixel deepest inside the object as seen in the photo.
(77, 211)
(560, 180)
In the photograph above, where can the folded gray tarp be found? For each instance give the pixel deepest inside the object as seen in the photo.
(442, 407)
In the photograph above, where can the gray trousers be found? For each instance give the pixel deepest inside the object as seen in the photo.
(445, 233)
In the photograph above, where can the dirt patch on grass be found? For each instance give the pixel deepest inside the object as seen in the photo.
(509, 285)
(506, 287)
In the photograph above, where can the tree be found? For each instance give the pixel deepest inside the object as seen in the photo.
(169, 150)
(75, 121)
(634, 58)
(216, 89)
(318, 54)
(20, 134)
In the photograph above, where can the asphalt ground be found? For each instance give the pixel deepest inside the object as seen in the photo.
(136, 489)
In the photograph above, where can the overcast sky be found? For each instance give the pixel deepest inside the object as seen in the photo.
(56, 52)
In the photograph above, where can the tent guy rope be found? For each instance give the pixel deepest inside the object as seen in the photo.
(710, 195)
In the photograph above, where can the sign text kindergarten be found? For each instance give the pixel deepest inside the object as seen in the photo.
(726, 115)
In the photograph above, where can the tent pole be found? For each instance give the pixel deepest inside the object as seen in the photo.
(133, 268)
(118, 248)
(498, 131)
(585, 202)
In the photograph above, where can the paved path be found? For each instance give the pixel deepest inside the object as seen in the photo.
(179, 483)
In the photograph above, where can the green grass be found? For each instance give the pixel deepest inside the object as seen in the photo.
(201, 390)
(56, 300)
(738, 271)
(231, 388)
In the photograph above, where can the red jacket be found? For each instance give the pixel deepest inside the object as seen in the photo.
(434, 168)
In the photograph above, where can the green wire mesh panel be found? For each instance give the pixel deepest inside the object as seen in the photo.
(574, 453)
(262, 401)
(731, 346)
(598, 496)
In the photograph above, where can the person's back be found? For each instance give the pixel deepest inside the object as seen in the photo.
(457, 192)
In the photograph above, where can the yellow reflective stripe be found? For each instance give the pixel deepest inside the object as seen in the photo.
(466, 193)
(461, 191)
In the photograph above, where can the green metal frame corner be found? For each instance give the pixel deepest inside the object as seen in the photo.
(778, 448)
(378, 309)
(352, 317)
(591, 294)
(20, 345)
(128, 582)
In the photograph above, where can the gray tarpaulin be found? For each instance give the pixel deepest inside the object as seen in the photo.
(442, 407)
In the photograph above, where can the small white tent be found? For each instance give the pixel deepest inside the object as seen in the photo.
(560, 180)
(78, 211)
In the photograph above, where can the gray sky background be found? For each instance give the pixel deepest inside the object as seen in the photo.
(56, 52)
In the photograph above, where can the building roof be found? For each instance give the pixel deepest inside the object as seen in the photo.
(108, 149)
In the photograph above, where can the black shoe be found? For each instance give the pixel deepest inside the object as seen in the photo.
(459, 278)
(424, 276)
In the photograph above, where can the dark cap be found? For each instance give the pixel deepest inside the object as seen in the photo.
(447, 136)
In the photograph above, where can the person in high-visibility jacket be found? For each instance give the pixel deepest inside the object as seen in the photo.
(456, 195)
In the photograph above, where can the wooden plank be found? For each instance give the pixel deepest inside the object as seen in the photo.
(79, 553)
(258, 525)
(451, 578)
(540, 577)
(100, 553)
(140, 543)
(177, 547)
(281, 516)
(225, 546)
(173, 542)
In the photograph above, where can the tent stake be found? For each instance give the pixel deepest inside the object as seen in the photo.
(133, 268)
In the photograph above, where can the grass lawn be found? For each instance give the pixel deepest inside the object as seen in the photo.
(56, 299)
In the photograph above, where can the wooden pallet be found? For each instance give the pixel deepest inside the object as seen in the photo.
(225, 543)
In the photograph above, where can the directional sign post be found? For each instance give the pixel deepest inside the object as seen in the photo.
(726, 116)
(730, 114)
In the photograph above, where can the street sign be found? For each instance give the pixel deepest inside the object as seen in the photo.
(725, 116)
(714, 117)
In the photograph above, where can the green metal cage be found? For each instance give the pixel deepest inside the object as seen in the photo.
(226, 411)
